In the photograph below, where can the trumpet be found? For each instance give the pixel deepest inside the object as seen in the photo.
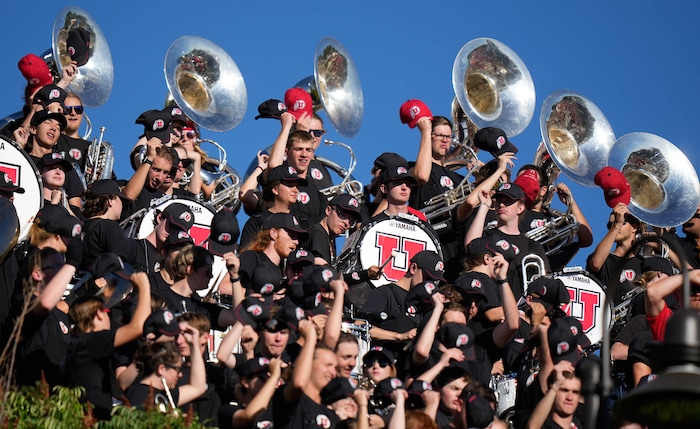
(100, 159)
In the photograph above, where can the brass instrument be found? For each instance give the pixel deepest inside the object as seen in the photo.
(335, 87)
(664, 185)
(493, 86)
(348, 185)
(620, 311)
(99, 159)
(207, 85)
(532, 267)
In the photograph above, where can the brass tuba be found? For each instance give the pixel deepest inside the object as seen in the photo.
(663, 182)
(207, 85)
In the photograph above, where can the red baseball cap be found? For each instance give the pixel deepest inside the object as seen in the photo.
(616, 189)
(527, 180)
(413, 110)
(35, 70)
(298, 101)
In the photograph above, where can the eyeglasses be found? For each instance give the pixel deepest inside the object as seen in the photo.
(68, 110)
(441, 136)
(317, 133)
(177, 368)
(383, 363)
(345, 216)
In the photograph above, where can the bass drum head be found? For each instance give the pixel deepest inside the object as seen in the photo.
(587, 303)
(203, 215)
(374, 244)
(21, 171)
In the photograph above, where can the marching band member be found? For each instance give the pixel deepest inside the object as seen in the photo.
(70, 143)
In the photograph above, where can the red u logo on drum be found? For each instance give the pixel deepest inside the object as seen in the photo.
(406, 247)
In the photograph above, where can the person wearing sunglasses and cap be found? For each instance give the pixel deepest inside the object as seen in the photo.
(70, 142)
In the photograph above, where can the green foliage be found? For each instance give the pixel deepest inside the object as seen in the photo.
(35, 408)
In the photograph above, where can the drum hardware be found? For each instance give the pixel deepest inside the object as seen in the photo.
(532, 267)
(664, 185)
(493, 86)
(348, 185)
(93, 80)
(576, 134)
(620, 311)
(505, 389)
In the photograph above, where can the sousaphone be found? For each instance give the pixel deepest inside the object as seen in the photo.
(205, 83)
(576, 134)
(663, 182)
(335, 87)
(93, 81)
(493, 86)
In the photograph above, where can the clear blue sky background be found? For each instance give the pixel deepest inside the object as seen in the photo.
(637, 61)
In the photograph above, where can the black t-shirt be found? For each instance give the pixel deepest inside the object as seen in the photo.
(252, 226)
(304, 414)
(206, 405)
(390, 299)
(192, 304)
(318, 175)
(441, 180)
(105, 236)
(319, 243)
(145, 199)
(311, 204)
(74, 149)
(138, 394)
(88, 364)
(609, 272)
(523, 246)
(250, 260)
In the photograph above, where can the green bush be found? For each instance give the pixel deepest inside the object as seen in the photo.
(35, 408)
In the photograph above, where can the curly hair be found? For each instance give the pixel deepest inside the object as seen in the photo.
(96, 205)
(150, 356)
(194, 256)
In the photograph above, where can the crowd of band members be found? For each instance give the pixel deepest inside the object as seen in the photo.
(291, 356)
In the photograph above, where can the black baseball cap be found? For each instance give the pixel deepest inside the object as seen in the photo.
(283, 173)
(389, 159)
(161, 322)
(45, 115)
(494, 140)
(396, 173)
(431, 263)
(548, 291)
(347, 203)
(55, 219)
(179, 215)
(271, 109)
(54, 158)
(287, 221)
(473, 283)
(106, 187)
(224, 232)
(156, 123)
(48, 94)
(6, 184)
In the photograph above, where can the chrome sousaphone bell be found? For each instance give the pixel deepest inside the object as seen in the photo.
(493, 86)
(663, 182)
(576, 134)
(335, 87)
(93, 82)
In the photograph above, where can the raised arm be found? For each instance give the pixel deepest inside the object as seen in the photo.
(505, 161)
(280, 145)
(198, 375)
(246, 193)
(335, 317)
(603, 249)
(248, 415)
(134, 328)
(225, 351)
(135, 185)
(304, 364)
(544, 407)
(427, 336)
(424, 160)
(504, 332)
(585, 234)
(476, 229)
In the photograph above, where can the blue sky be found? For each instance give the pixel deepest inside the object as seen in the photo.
(636, 61)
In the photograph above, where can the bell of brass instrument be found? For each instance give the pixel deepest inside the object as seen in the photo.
(493, 86)
(335, 87)
(532, 267)
(93, 81)
(664, 184)
(348, 185)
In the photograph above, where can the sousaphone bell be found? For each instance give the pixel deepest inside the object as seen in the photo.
(94, 79)
(205, 83)
(576, 134)
(663, 183)
(335, 87)
(493, 86)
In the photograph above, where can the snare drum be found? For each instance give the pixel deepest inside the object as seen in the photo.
(203, 216)
(21, 171)
(587, 303)
(375, 242)
(360, 329)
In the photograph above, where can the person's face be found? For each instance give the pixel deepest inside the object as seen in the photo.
(158, 172)
(188, 138)
(300, 154)
(508, 209)
(398, 192)
(378, 369)
(286, 192)
(285, 242)
(73, 118)
(53, 177)
(450, 396)
(162, 230)
(315, 124)
(50, 266)
(454, 317)
(339, 220)
(176, 132)
(47, 133)
(346, 354)
(116, 206)
(441, 140)
(172, 373)
(323, 368)
(567, 397)
(275, 342)
(199, 278)
(626, 231)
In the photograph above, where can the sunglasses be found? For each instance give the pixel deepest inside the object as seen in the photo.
(345, 216)
(382, 363)
(317, 133)
(68, 110)
(505, 201)
(189, 134)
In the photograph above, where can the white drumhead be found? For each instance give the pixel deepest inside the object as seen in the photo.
(20, 169)
(203, 216)
(405, 237)
(587, 303)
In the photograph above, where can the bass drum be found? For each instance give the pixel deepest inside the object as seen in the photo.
(587, 303)
(203, 215)
(374, 244)
(21, 171)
